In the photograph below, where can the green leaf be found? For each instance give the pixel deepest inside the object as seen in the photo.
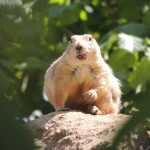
(56, 11)
(121, 60)
(28, 6)
(128, 9)
(95, 2)
(57, 1)
(65, 14)
(130, 43)
(34, 63)
(135, 29)
(141, 75)
(108, 41)
(83, 15)
(146, 17)
(10, 3)
(13, 135)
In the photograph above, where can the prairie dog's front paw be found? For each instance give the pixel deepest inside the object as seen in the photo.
(94, 110)
(91, 95)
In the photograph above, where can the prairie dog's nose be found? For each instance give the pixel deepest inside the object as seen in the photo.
(79, 47)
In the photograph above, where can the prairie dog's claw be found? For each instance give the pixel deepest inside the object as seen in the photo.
(94, 110)
(90, 96)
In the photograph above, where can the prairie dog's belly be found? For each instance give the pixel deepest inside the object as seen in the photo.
(78, 85)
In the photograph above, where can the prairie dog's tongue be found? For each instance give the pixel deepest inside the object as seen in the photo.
(81, 56)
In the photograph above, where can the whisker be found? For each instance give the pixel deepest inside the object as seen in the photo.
(67, 32)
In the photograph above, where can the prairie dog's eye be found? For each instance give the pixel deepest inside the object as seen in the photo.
(70, 41)
(90, 38)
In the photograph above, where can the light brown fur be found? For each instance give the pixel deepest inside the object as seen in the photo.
(81, 79)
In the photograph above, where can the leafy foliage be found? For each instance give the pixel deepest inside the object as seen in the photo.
(13, 135)
(32, 36)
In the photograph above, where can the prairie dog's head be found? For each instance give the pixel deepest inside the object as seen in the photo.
(83, 47)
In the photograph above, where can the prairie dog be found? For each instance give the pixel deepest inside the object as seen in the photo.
(80, 79)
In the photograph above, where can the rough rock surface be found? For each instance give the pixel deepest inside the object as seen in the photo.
(71, 130)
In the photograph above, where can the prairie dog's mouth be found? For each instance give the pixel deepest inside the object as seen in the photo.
(81, 56)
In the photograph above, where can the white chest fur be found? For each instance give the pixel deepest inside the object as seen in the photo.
(82, 72)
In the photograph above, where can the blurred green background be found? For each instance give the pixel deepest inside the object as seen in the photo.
(33, 33)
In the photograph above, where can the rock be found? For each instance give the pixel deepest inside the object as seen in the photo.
(72, 130)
